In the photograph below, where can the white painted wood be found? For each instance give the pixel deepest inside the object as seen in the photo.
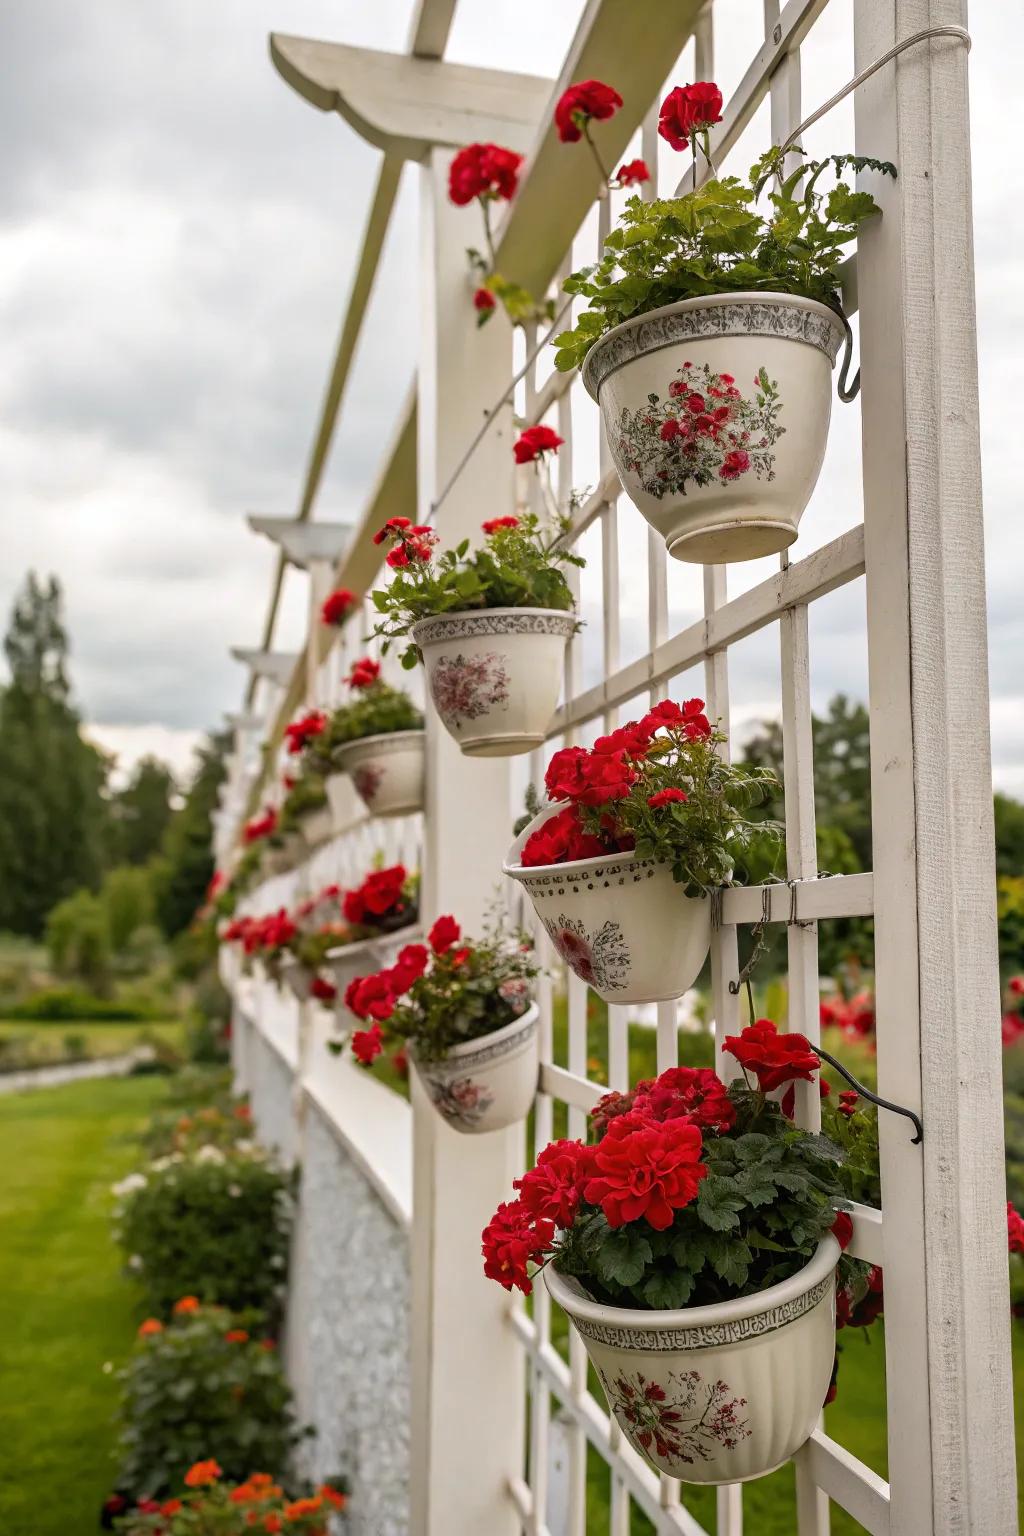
(275, 666)
(407, 105)
(462, 1459)
(301, 542)
(861, 1492)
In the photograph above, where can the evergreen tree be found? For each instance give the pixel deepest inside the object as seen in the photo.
(186, 863)
(140, 813)
(52, 810)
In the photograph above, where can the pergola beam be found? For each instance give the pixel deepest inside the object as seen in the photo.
(302, 543)
(275, 666)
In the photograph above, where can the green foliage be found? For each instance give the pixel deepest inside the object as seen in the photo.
(1010, 912)
(213, 1225)
(54, 1005)
(186, 852)
(78, 938)
(519, 567)
(52, 811)
(768, 1199)
(190, 1392)
(141, 812)
(1009, 817)
(716, 240)
(374, 711)
(127, 898)
(306, 795)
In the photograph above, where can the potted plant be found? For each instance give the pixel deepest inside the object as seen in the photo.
(490, 626)
(694, 1247)
(644, 825)
(305, 810)
(465, 1014)
(318, 929)
(377, 741)
(713, 325)
(385, 904)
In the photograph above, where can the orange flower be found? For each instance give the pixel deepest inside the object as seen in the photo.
(273, 1524)
(150, 1327)
(185, 1305)
(236, 1336)
(202, 1474)
(332, 1496)
(303, 1507)
(171, 1507)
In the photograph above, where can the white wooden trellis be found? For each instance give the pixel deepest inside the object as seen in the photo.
(940, 1234)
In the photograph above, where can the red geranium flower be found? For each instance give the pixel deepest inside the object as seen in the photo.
(583, 101)
(688, 108)
(299, 732)
(842, 1229)
(535, 442)
(848, 1101)
(688, 718)
(236, 1336)
(391, 529)
(323, 990)
(444, 934)
(670, 796)
(511, 1240)
(1014, 1229)
(494, 523)
(554, 1187)
(632, 174)
(561, 839)
(483, 170)
(484, 299)
(370, 997)
(364, 674)
(412, 961)
(773, 1058)
(645, 1170)
(694, 1093)
(186, 1305)
(337, 607)
(367, 1044)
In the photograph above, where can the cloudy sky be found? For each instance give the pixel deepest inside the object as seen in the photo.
(177, 236)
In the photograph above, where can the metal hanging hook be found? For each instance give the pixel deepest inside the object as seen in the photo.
(873, 1098)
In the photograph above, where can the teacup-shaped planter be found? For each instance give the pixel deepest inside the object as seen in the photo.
(316, 826)
(715, 1394)
(387, 771)
(488, 1083)
(716, 411)
(495, 674)
(621, 923)
(297, 977)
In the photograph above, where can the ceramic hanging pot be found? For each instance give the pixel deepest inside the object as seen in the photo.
(387, 771)
(621, 923)
(488, 1083)
(316, 826)
(715, 1394)
(297, 977)
(716, 412)
(347, 961)
(495, 675)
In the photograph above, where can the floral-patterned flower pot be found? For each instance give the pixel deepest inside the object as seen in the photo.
(620, 922)
(387, 771)
(716, 411)
(715, 1394)
(316, 826)
(297, 978)
(488, 1083)
(495, 674)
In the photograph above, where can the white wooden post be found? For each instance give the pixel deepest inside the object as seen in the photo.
(467, 1369)
(950, 1409)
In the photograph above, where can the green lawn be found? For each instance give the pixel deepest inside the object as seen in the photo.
(69, 1313)
(43, 1042)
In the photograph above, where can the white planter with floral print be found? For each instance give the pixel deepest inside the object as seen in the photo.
(316, 826)
(488, 1083)
(339, 797)
(495, 674)
(715, 1394)
(387, 771)
(621, 923)
(716, 411)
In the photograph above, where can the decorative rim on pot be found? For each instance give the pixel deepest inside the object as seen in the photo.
(381, 742)
(779, 316)
(686, 1328)
(464, 623)
(489, 1048)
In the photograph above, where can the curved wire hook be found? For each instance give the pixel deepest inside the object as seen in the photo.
(873, 1098)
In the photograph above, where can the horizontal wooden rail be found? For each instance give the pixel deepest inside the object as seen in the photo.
(852, 1484)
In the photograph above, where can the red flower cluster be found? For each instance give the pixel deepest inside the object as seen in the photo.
(583, 102)
(602, 774)
(483, 170)
(534, 443)
(774, 1059)
(444, 934)
(855, 1018)
(380, 895)
(260, 826)
(687, 110)
(693, 1093)
(364, 674)
(324, 991)
(271, 932)
(495, 524)
(553, 1189)
(338, 606)
(645, 1169)
(632, 174)
(412, 541)
(512, 1240)
(301, 732)
(1014, 1229)
(484, 300)
(375, 997)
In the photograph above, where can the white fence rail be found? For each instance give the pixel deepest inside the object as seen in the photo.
(482, 1457)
